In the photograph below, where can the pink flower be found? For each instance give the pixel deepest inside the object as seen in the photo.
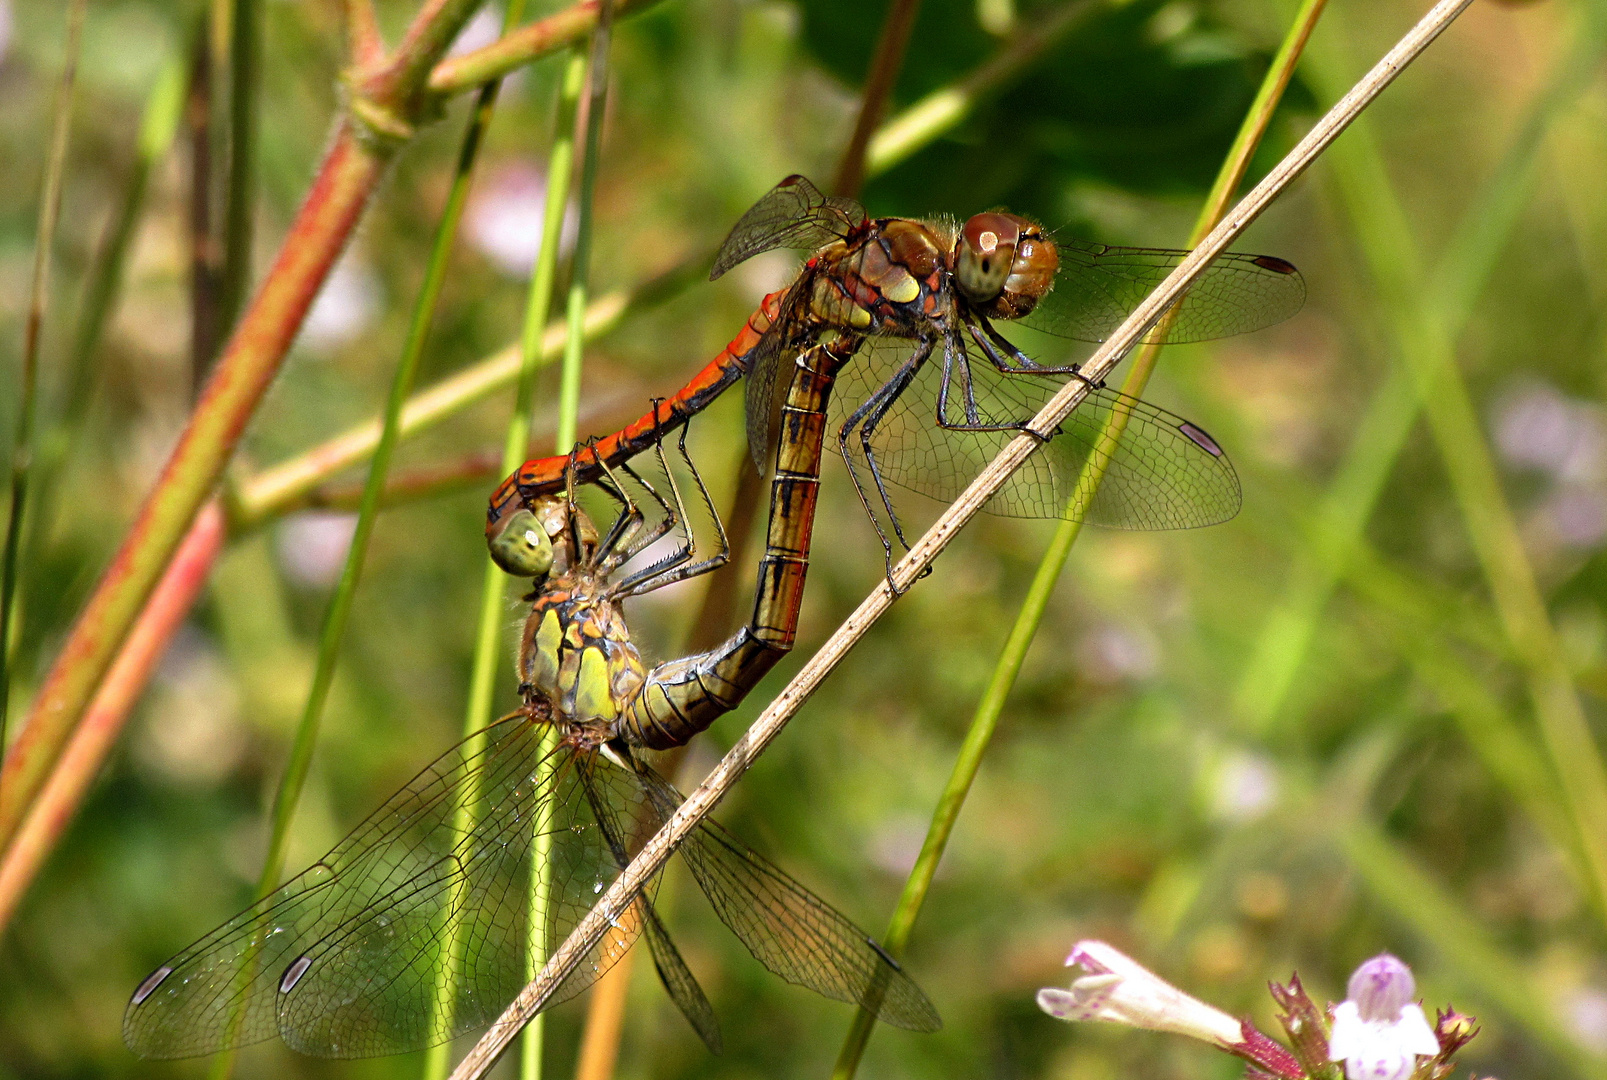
(1379, 1031)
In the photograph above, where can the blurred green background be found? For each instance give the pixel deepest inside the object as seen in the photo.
(1235, 753)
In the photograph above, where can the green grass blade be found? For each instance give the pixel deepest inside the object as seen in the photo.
(532, 354)
(38, 301)
(531, 1045)
(337, 613)
(1285, 639)
(1427, 351)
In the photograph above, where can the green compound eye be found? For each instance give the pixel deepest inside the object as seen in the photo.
(523, 547)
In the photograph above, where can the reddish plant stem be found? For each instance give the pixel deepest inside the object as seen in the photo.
(363, 38)
(523, 45)
(81, 762)
(350, 172)
(384, 107)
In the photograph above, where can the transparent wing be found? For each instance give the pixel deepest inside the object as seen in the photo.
(1099, 286)
(1163, 473)
(623, 838)
(678, 980)
(790, 930)
(349, 959)
(766, 385)
(793, 214)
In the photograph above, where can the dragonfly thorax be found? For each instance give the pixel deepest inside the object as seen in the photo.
(576, 653)
(886, 279)
(1004, 264)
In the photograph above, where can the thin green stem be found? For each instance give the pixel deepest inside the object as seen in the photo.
(891, 45)
(164, 106)
(943, 110)
(38, 301)
(244, 78)
(533, 351)
(338, 613)
(534, 1039)
(1008, 667)
(574, 343)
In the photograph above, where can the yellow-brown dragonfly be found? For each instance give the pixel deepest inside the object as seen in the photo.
(919, 290)
(419, 926)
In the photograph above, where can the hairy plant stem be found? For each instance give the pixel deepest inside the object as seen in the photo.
(86, 753)
(1008, 667)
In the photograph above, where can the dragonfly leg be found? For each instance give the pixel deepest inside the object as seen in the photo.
(1003, 354)
(677, 566)
(641, 540)
(627, 524)
(865, 419)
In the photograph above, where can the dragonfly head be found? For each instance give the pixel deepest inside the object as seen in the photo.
(534, 538)
(522, 547)
(1004, 264)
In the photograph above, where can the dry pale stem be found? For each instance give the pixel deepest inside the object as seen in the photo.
(614, 902)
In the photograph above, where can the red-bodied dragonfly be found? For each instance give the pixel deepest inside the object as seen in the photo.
(915, 288)
(419, 925)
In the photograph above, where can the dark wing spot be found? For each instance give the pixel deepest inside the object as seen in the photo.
(883, 953)
(1200, 438)
(1275, 264)
(152, 981)
(293, 974)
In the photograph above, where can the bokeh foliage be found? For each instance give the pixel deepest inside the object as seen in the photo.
(1129, 793)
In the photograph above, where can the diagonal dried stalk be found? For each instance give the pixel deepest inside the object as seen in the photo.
(612, 905)
(990, 708)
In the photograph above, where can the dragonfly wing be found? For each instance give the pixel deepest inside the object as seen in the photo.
(1162, 473)
(678, 980)
(768, 372)
(346, 959)
(790, 930)
(1098, 286)
(794, 214)
(380, 984)
(624, 838)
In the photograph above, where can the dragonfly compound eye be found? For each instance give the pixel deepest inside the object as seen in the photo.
(1032, 273)
(986, 252)
(522, 547)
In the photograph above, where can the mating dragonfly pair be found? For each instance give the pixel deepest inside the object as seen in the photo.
(424, 922)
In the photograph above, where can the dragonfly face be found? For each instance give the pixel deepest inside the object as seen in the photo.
(1004, 264)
